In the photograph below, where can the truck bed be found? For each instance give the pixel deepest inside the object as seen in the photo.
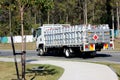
(76, 35)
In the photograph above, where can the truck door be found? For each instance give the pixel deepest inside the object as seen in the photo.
(39, 37)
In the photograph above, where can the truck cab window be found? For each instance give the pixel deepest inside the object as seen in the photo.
(38, 32)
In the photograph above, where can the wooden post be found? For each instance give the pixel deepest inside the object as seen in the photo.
(15, 60)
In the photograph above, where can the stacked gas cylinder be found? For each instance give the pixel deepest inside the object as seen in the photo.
(65, 34)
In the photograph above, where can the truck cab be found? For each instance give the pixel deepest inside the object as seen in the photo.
(38, 35)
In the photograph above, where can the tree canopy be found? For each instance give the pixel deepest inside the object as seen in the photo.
(38, 12)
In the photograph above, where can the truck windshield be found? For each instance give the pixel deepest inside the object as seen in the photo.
(38, 32)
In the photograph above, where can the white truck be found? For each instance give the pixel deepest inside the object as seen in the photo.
(70, 40)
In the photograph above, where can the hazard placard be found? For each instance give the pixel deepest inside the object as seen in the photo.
(95, 37)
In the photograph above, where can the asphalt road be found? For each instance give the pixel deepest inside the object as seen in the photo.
(100, 57)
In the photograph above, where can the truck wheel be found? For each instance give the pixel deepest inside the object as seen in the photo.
(67, 53)
(41, 52)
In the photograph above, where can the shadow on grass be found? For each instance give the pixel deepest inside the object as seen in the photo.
(30, 60)
(118, 75)
(41, 71)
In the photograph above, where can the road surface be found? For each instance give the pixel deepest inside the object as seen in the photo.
(101, 56)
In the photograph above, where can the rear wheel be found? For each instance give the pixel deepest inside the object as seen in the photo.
(67, 53)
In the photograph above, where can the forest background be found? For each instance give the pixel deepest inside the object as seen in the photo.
(38, 12)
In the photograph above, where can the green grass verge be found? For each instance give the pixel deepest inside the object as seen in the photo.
(113, 66)
(50, 72)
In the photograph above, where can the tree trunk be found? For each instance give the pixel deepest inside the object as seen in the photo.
(93, 15)
(85, 12)
(48, 18)
(117, 10)
(67, 19)
(35, 18)
(113, 20)
(22, 31)
(23, 43)
(10, 19)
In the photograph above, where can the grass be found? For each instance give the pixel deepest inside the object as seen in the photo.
(113, 66)
(7, 70)
(7, 46)
(32, 46)
(117, 44)
(50, 72)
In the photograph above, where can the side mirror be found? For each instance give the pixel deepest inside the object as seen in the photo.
(34, 33)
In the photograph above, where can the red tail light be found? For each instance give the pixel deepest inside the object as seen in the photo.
(111, 45)
(105, 45)
(86, 46)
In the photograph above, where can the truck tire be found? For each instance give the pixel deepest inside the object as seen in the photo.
(40, 52)
(67, 53)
